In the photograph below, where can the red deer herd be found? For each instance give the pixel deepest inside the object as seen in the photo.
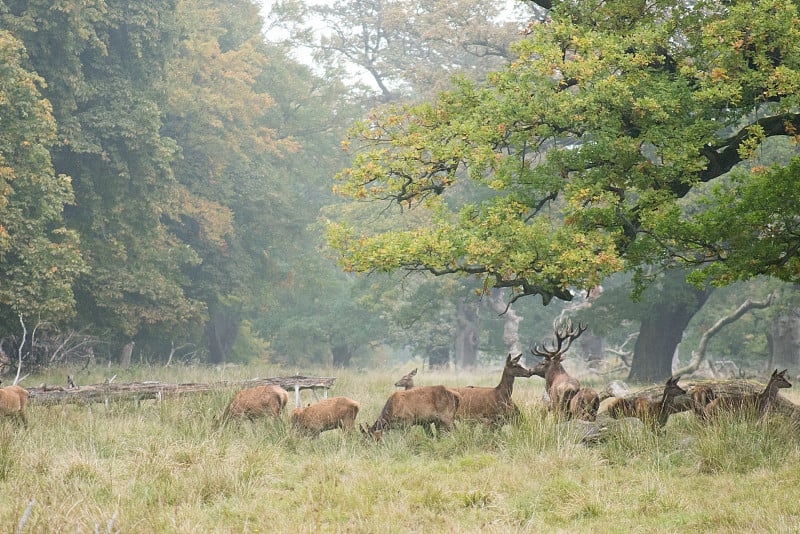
(439, 407)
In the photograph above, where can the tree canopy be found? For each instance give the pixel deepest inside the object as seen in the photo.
(39, 257)
(583, 147)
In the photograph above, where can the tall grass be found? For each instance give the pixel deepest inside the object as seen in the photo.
(168, 467)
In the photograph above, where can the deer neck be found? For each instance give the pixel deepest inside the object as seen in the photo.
(663, 406)
(553, 372)
(506, 386)
(769, 394)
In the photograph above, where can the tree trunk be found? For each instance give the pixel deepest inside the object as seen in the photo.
(660, 333)
(341, 356)
(125, 355)
(467, 334)
(220, 335)
(786, 341)
(438, 357)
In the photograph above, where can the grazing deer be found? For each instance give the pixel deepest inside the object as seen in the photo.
(256, 401)
(407, 382)
(424, 405)
(492, 405)
(756, 403)
(651, 412)
(13, 400)
(559, 385)
(327, 414)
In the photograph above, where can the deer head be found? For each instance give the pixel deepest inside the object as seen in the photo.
(779, 380)
(371, 432)
(563, 332)
(672, 388)
(407, 382)
(552, 357)
(514, 368)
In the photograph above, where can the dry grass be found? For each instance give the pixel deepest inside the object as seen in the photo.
(165, 467)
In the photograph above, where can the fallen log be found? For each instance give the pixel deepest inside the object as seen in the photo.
(51, 395)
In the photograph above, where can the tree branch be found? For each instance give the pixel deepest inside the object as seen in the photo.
(697, 356)
(21, 346)
(725, 155)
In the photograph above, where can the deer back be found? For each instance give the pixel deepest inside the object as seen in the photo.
(13, 400)
(10, 401)
(258, 400)
(327, 414)
(424, 404)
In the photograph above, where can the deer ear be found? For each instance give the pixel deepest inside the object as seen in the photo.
(414, 372)
(515, 360)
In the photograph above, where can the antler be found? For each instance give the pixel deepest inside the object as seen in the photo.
(566, 333)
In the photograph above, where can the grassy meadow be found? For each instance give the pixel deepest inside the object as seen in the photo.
(166, 467)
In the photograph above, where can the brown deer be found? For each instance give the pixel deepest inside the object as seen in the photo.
(585, 404)
(255, 402)
(756, 403)
(559, 385)
(424, 405)
(621, 407)
(654, 413)
(702, 395)
(327, 414)
(13, 400)
(492, 405)
(407, 382)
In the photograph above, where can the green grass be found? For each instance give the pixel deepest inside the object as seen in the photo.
(166, 467)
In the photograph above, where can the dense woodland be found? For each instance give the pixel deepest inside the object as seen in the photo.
(206, 181)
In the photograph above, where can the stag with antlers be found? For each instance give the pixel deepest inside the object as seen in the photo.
(562, 388)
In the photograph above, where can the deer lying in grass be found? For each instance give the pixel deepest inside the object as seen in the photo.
(562, 388)
(424, 405)
(585, 404)
(492, 405)
(702, 395)
(255, 402)
(407, 382)
(653, 413)
(755, 404)
(327, 414)
(13, 400)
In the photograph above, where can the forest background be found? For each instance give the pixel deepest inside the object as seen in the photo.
(172, 185)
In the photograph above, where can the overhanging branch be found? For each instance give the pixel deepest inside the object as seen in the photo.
(723, 156)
